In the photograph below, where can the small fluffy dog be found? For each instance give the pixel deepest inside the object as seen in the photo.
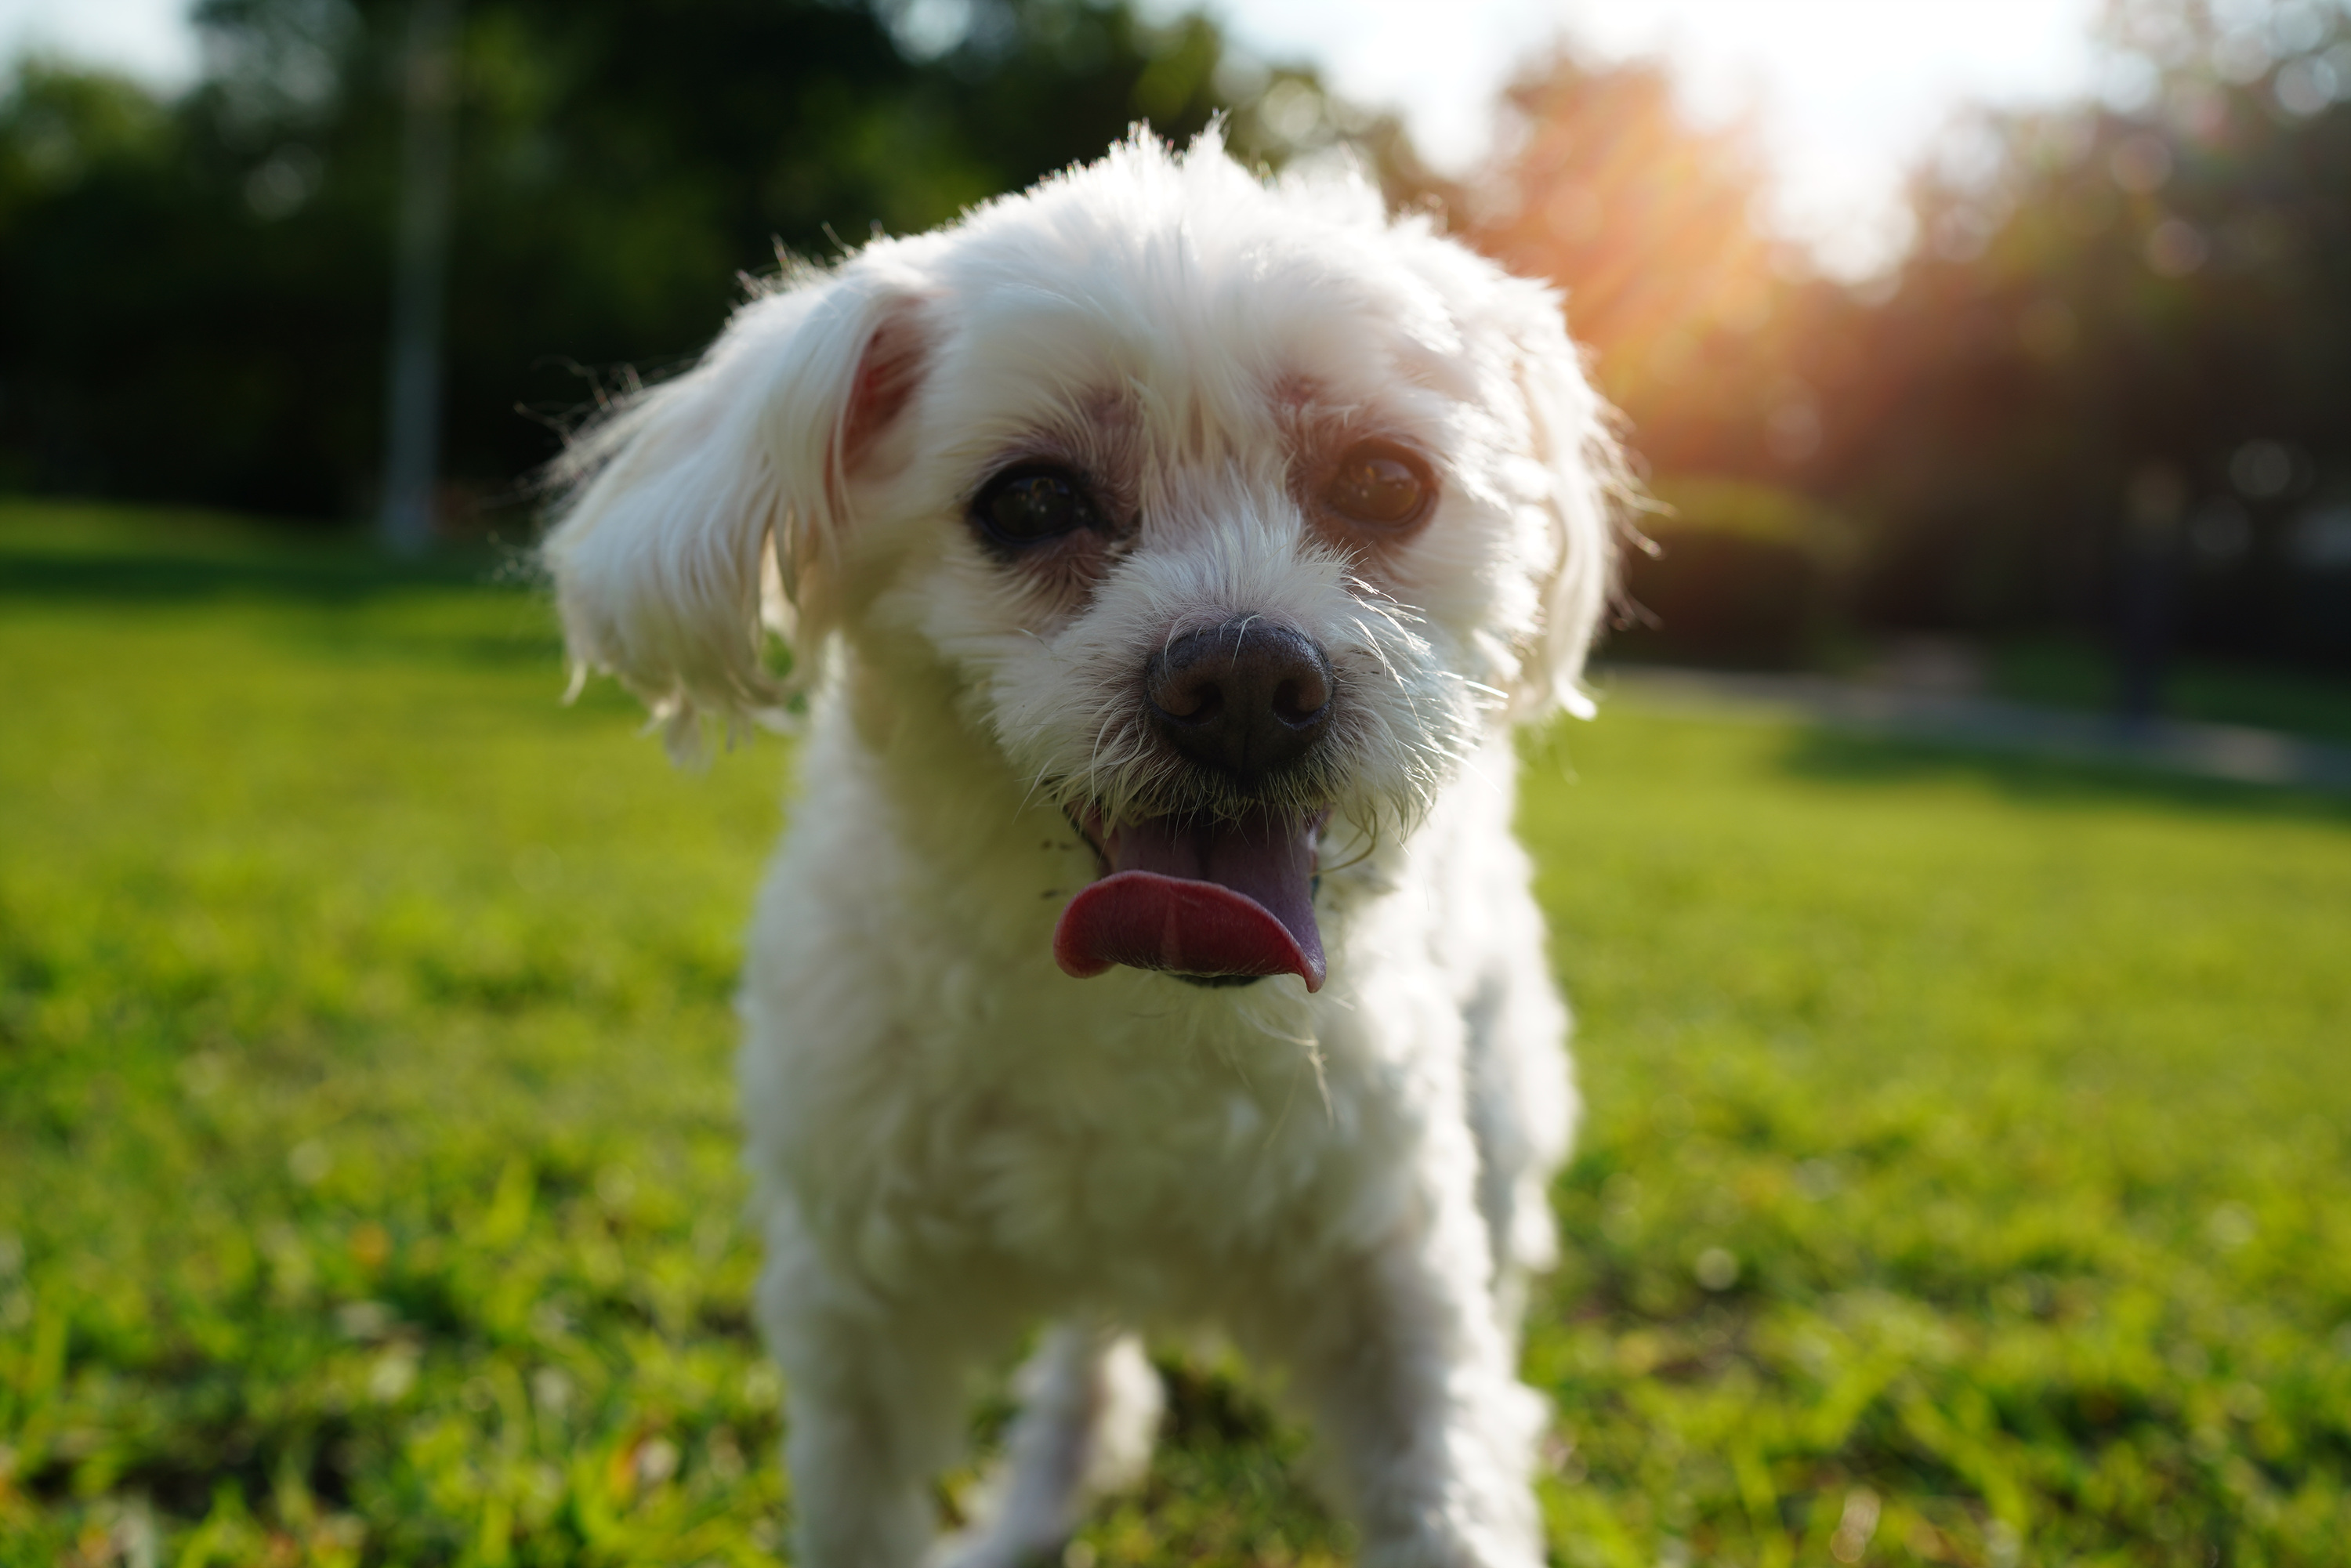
(1166, 555)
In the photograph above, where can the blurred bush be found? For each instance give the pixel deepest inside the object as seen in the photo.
(1735, 573)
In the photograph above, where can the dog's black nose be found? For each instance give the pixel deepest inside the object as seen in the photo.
(1250, 696)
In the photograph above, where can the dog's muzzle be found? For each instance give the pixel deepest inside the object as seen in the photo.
(1219, 900)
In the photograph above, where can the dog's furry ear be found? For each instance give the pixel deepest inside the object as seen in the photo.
(704, 512)
(1588, 482)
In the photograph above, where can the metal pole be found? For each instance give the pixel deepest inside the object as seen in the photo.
(413, 383)
(2153, 506)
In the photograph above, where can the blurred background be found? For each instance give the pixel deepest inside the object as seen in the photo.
(2022, 324)
(1954, 894)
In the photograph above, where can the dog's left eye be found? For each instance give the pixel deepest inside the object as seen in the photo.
(1380, 484)
(1028, 506)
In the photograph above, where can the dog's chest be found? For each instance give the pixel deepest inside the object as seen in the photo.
(1133, 1136)
(1143, 1154)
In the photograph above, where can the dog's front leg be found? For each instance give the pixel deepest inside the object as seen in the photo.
(873, 1410)
(1090, 1401)
(1418, 1407)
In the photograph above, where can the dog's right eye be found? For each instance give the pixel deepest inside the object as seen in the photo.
(1028, 506)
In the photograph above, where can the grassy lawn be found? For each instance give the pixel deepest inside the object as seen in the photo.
(1966, 1175)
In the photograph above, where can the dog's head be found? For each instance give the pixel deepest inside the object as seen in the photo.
(1226, 512)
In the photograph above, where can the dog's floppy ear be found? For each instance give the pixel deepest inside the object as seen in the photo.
(704, 512)
(1586, 485)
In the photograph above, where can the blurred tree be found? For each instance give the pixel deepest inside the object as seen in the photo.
(194, 294)
(1693, 313)
(2110, 387)
(1644, 220)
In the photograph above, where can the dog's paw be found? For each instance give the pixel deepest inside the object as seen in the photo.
(990, 1548)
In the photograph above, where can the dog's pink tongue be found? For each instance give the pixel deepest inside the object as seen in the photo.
(1200, 898)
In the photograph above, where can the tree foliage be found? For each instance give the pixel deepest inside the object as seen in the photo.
(2106, 389)
(1644, 220)
(2115, 366)
(193, 293)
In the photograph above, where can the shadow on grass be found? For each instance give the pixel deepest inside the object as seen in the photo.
(1854, 756)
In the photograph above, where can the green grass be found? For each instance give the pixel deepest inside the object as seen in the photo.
(1965, 1156)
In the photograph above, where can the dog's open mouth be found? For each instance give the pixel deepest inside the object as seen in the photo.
(1202, 899)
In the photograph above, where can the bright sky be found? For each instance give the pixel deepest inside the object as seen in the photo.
(148, 38)
(1850, 91)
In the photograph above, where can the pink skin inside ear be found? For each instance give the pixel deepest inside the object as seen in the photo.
(886, 375)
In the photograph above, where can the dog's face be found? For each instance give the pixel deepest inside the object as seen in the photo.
(1226, 514)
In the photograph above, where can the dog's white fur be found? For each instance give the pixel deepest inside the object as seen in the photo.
(951, 1140)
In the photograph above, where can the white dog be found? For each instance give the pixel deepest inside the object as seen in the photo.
(1165, 556)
